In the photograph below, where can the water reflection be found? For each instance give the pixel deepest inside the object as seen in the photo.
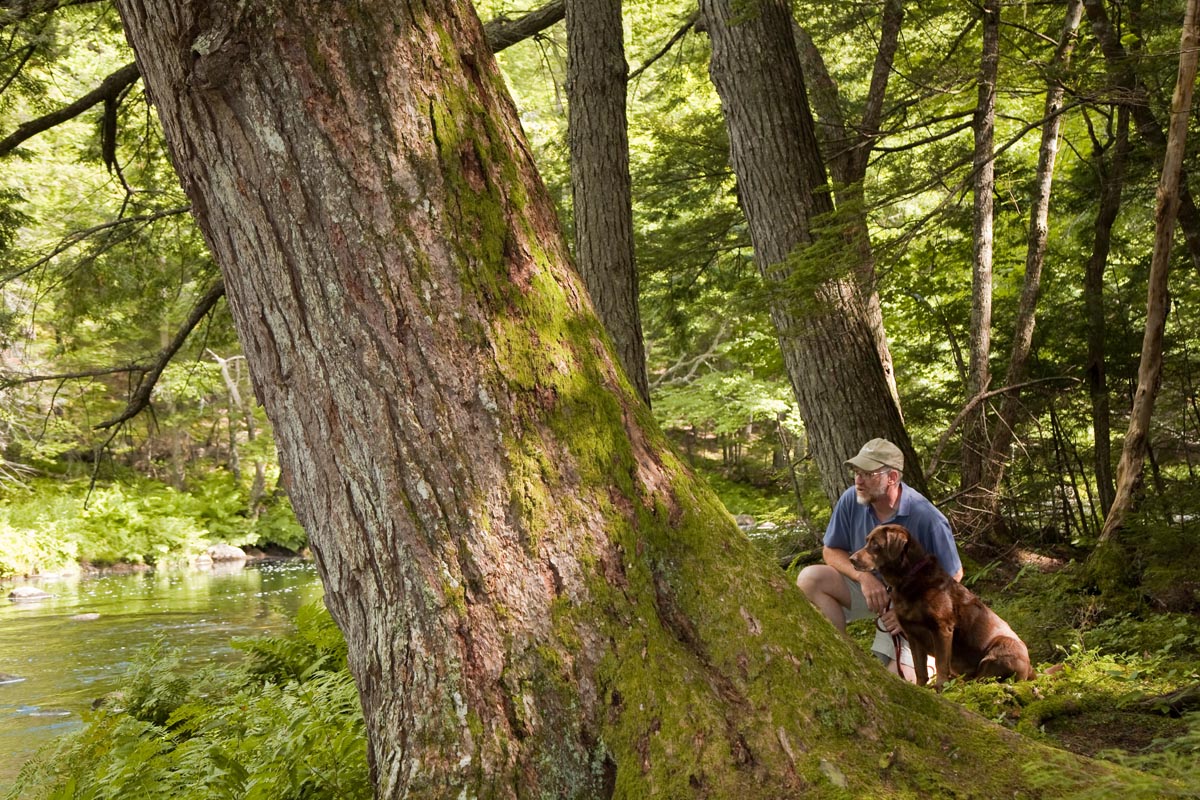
(72, 648)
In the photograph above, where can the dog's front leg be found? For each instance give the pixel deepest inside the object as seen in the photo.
(943, 644)
(920, 657)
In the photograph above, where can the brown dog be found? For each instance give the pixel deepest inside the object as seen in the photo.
(939, 615)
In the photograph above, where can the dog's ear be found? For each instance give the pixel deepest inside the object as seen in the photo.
(896, 543)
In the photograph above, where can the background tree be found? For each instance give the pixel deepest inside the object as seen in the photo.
(823, 327)
(979, 378)
(600, 185)
(1133, 454)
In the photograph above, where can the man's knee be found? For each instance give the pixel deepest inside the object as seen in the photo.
(820, 580)
(809, 579)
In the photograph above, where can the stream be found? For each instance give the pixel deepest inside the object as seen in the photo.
(72, 648)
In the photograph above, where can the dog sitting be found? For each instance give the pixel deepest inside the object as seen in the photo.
(939, 615)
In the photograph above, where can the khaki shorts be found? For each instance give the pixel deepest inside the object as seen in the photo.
(883, 646)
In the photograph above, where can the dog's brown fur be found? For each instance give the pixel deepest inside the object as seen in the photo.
(939, 615)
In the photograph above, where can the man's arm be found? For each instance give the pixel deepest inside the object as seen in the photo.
(872, 588)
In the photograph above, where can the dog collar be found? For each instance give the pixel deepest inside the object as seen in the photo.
(920, 565)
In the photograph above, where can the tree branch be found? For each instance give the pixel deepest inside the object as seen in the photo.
(141, 396)
(503, 32)
(971, 405)
(688, 24)
(76, 237)
(109, 90)
(9, 379)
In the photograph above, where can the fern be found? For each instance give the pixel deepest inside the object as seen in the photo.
(284, 725)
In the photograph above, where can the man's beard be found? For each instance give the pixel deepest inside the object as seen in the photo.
(866, 497)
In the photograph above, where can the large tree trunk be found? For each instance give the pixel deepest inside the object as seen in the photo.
(538, 599)
(1133, 454)
(974, 432)
(1003, 432)
(600, 185)
(824, 330)
(1112, 178)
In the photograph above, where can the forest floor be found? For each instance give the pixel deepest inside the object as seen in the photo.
(1115, 639)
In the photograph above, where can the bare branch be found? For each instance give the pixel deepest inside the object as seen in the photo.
(14, 11)
(971, 406)
(76, 237)
(141, 395)
(10, 379)
(688, 24)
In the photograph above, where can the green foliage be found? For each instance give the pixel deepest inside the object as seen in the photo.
(51, 525)
(317, 645)
(725, 403)
(241, 732)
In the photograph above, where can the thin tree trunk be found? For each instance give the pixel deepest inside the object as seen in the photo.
(1135, 94)
(974, 439)
(237, 402)
(600, 185)
(1133, 454)
(1112, 178)
(824, 330)
(1003, 433)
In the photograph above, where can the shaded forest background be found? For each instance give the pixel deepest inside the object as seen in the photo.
(130, 432)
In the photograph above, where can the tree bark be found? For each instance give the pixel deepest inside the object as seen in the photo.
(1133, 454)
(1003, 432)
(975, 443)
(1112, 176)
(600, 184)
(539, 600)
(849, 148)
(824, 330)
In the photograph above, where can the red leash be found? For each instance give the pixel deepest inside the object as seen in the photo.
(896, 638)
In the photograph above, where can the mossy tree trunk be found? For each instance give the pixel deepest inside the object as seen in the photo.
(539, 600)
(820, 314)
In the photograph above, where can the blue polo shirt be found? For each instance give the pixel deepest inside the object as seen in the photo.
(851, 522)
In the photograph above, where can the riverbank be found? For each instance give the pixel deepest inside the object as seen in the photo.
(62, 526)
(75, 646)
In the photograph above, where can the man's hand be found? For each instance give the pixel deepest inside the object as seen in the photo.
(890, 624)
(875, 592)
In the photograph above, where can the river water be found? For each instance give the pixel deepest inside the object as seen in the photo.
(68, 656)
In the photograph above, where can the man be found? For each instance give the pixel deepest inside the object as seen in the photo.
(878, 496)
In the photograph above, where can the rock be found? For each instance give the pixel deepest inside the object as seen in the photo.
(7, 678)
(23, 594)
(744, 521)
(226, 552)
(86, 617)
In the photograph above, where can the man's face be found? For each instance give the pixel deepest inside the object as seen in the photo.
(870, 486)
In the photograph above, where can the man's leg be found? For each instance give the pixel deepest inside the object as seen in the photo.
(884, 648)
(826, 589)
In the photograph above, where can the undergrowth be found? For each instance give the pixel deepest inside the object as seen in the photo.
(283, 725)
